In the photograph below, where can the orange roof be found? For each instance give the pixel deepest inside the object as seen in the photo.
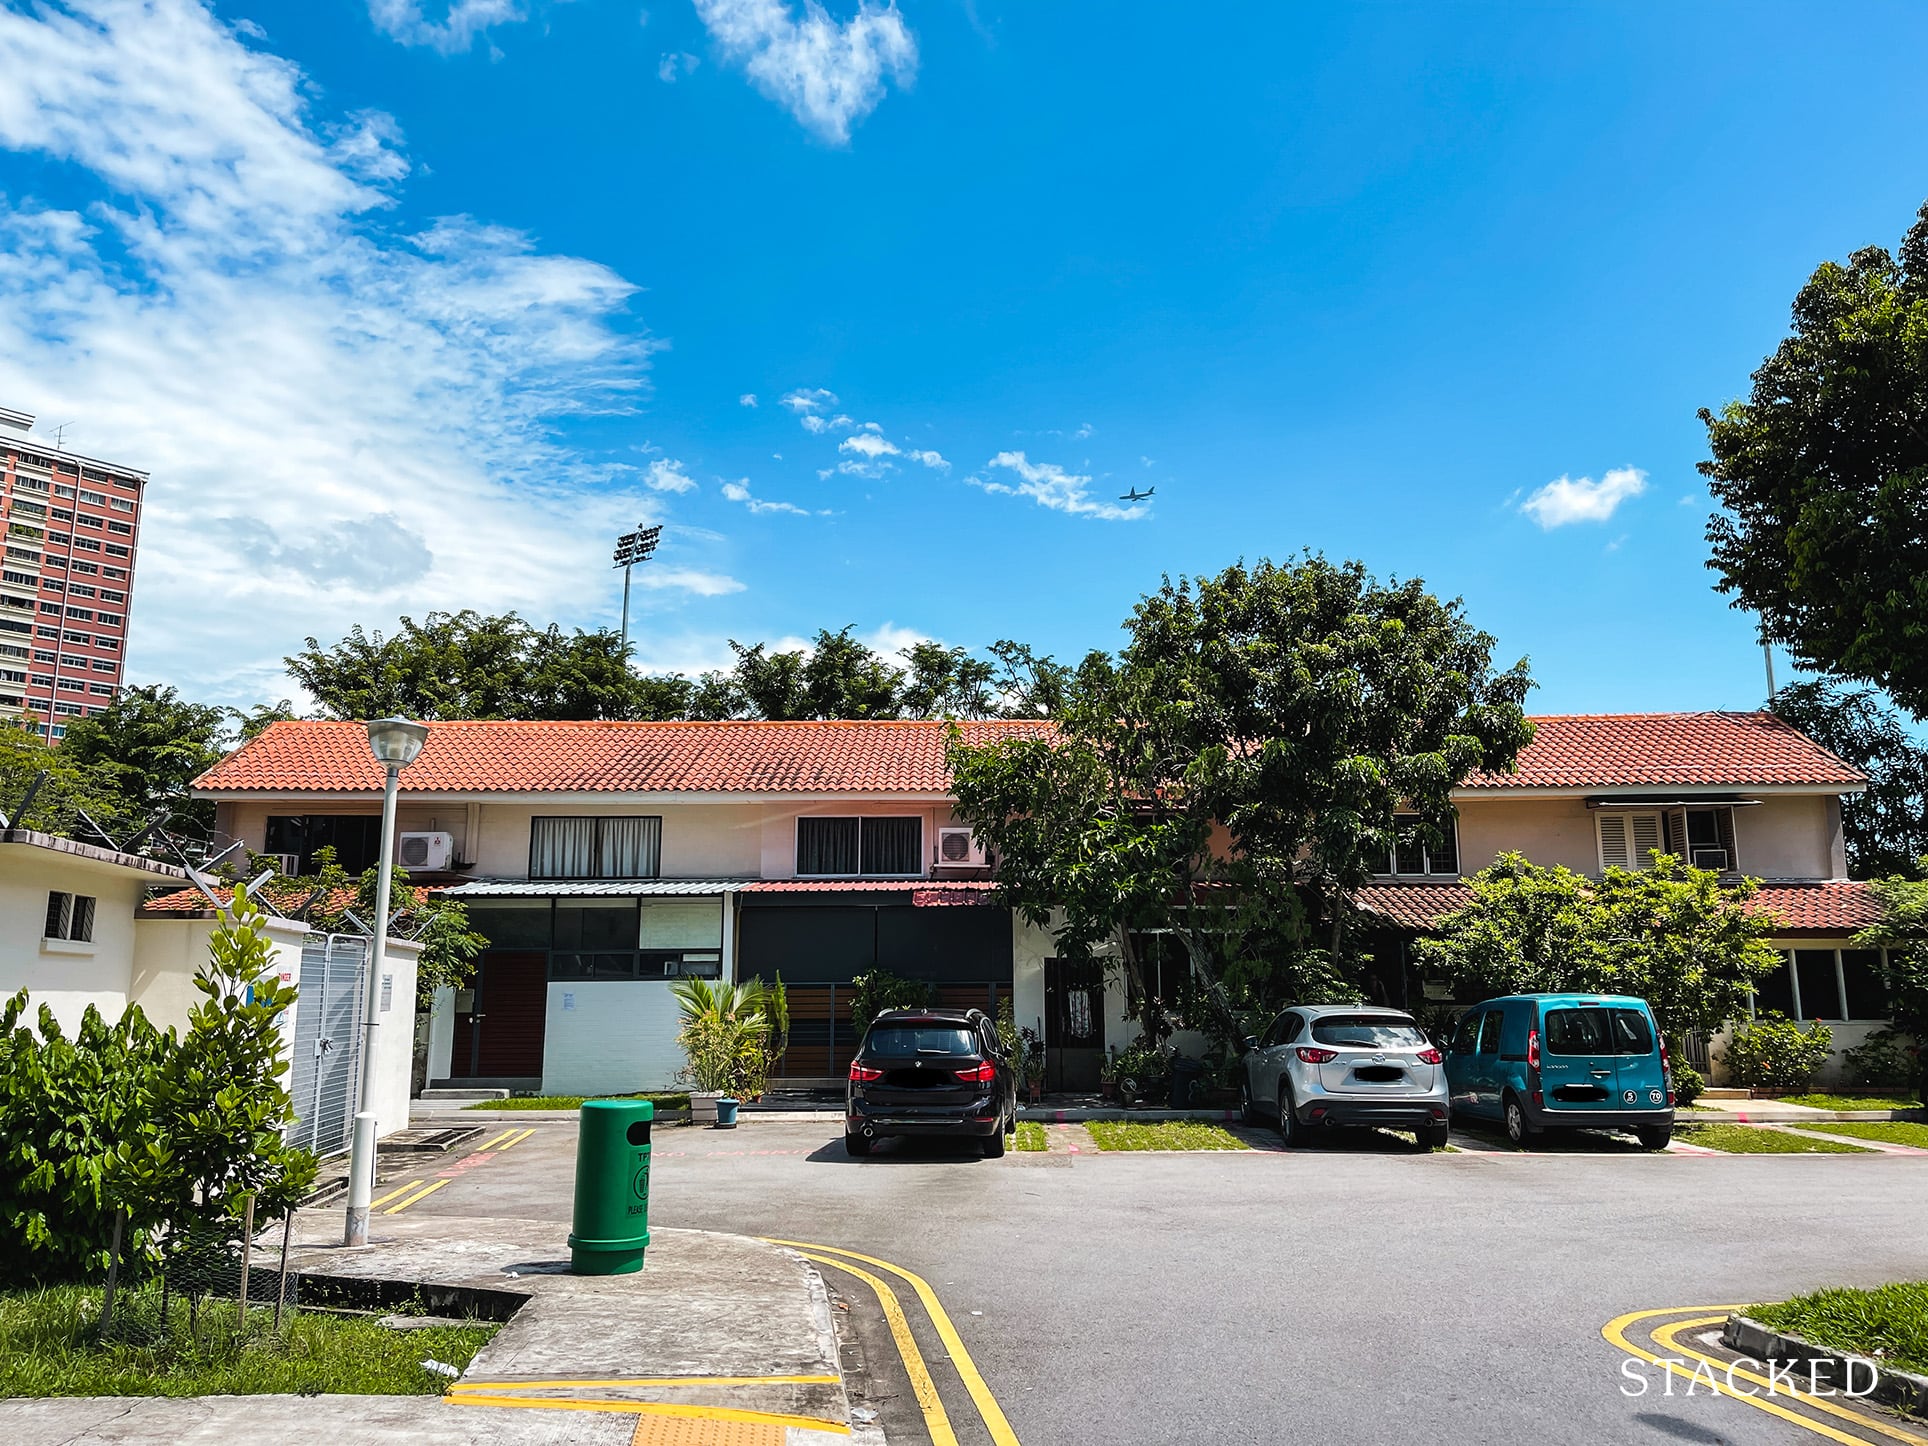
(1569, 751)
(798, 757)
(1828, 906)
(193, 901)
(1664, 750)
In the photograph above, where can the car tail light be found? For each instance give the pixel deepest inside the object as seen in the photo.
(1317, 1056)
(1429, 1056)
(982, 1074)
(1533, 1049)
(863, 1073)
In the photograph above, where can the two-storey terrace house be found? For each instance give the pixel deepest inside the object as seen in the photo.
(604, 860)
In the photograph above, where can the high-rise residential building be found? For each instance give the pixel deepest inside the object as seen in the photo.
(71, 524)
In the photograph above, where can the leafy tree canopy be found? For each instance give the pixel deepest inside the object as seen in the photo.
(1237, 771)
(1903, 931)
(1672, 935)
(67, 791)
(147, 746)
(1886, 828)
(1823, 471)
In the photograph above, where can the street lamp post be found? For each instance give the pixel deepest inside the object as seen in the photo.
(632, 548)
(395, 742)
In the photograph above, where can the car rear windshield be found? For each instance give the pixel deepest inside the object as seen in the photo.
(1375, 1031)
(1598, 1030)
(913, 1039)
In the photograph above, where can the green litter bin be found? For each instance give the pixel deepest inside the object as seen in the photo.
(611, 1222)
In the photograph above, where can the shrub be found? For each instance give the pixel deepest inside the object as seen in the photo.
(1774, 1053)
(1687, 1084)
(724, 1036)
(880, 990)
(1885, 1059)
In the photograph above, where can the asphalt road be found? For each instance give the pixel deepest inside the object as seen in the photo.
(1366, 1295)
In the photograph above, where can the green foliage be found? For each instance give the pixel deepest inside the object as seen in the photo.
(218, 1106)
(1760, 1140)
(872, 993)
(1688, 1083)
(723, 1036)
(1885, 1059)
(50, 1345)
(1823, 471)
(1675, 936)
(1162, 1135)
(1885, 827)
(1030, 1137)
(69, 789)
(1889, 1323)
(1903, 931)
(437, 922)
(64, 1106)
(1237, 771)
(1772, 1052)
(147, 746)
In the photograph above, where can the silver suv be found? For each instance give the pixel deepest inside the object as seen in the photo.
(1346, 1064)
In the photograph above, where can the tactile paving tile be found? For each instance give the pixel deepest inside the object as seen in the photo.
(688, 1431)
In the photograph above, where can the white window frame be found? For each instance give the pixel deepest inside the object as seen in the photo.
(71, 916)
(796, 844)
(1392, 870)
(1635, 857)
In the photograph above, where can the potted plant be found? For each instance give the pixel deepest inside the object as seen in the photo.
(1108, 1074)
(723, 1037)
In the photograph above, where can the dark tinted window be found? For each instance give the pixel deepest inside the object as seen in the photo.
(893, 846)
(1774, 994)
(1467, 1039)
(1578, 1031)
(1381, 1031)
(512, 928)
(1820, 990)
(826, 845)
(1489, 1032)
(909, 1039)
(1867, 994)
(602, 926)
(1294, 1027)
(1273, 1033)
(1632, 1034)
(592, 966)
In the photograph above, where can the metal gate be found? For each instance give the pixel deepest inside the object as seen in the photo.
(328, 1041)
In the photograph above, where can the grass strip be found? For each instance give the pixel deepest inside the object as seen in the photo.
(1845, 1102)
(1030, 1136)
(1754, 1140)
(571, 1102)
(50, 1346)
(1162, 1135)
(1889, 1322)
(1889, 1132)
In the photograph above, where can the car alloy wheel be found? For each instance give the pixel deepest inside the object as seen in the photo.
(1246, 1113)
(1290, 1130)
(1517, 1129)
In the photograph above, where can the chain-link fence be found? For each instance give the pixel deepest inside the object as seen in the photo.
(203, 1259)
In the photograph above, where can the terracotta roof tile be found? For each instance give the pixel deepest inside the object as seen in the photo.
(193, 901)
(1659, 750)
(805, 757)
(1831, 906)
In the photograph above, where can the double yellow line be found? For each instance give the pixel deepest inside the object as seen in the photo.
(936, 1419)
(403, 1197)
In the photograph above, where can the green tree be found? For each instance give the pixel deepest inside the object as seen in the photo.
(1823, 471)
(437, 922)
(1675, 936)
(220, 1105)
(1240, 769)
(1903, 932)
(66, 792)
(147, 746)
(941, 682)
(257, 720)
(1028, 683)
(1886, 828)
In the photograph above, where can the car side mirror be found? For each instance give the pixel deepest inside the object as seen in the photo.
(1248, 1043)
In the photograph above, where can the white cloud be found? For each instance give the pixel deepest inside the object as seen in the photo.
(870, 445)
(817, 425)
(1084, 430)
(809, 399)
(462, 21)
(934, 460)
(1581, 499)
(675, 63)
(368, 413)
(748, 399)
(1049, 485)
(740, 492)
(666, 475)
(826, 74)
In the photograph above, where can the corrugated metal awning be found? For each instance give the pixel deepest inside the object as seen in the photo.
(591, 888)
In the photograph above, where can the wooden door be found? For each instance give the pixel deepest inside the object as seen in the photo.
(503, 1034)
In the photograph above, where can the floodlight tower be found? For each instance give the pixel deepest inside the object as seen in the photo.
(632, 548)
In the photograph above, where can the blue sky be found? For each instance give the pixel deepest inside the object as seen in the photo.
(411, 307)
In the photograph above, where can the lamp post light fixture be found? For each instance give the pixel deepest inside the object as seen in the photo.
(632, 548)
(395, 742)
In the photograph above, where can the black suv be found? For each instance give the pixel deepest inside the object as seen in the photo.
(930, 1072)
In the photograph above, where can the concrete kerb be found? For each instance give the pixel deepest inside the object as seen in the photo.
(1892, 1385)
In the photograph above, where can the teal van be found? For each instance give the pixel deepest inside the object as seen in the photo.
(1536, 1062)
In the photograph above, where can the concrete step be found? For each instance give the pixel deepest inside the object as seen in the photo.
(460, 1096)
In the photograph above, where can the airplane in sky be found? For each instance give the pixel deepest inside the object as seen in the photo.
(1135, 495)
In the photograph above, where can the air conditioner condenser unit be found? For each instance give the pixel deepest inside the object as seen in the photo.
(958, 848)
(425, 850)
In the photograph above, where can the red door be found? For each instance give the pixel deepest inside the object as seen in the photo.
(501, 1038)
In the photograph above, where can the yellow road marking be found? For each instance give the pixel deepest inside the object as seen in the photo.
(936, 1421)
(498, 1139)
(987, 1406)
(419, 1195)
(649, 1381)
(511, 1144)
(1669, 1337)
(1615, 1332)
(657, 1408)
(393, 1193)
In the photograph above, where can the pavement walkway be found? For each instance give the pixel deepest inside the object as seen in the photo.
(719, 1341)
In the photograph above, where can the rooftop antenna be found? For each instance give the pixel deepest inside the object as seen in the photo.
(1767, 655)
(59, 433)
(632, 548)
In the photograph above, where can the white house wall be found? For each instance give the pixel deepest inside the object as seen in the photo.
(66, 976)
(610, 1036)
